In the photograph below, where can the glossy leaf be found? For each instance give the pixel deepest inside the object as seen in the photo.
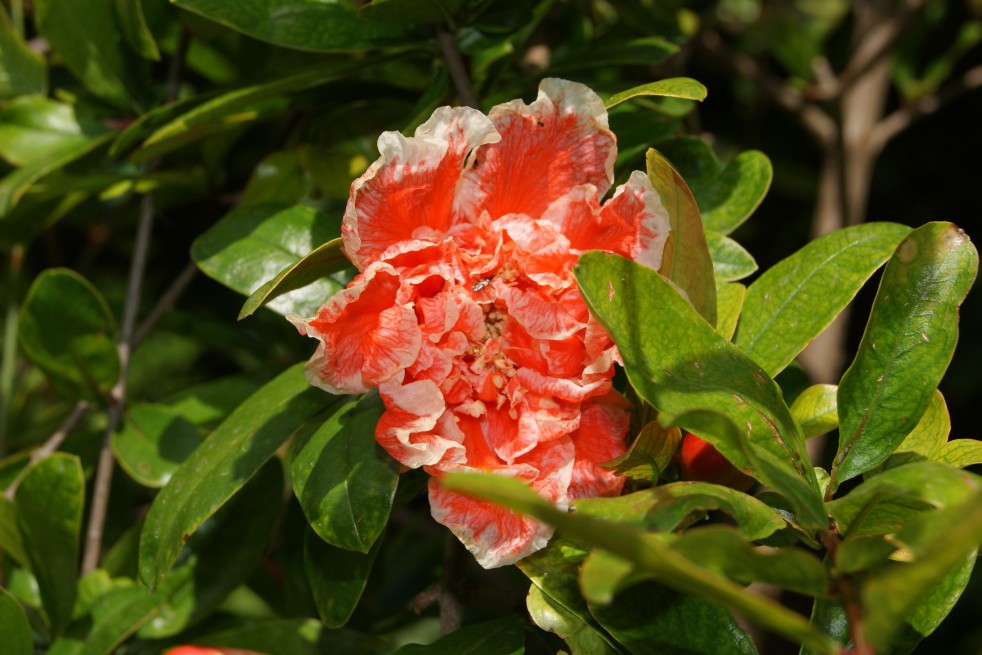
(702, 371)
(886, 502)
(665, 508)
(49, 504)
(224, 462)
(211, 567)
(316, 265)
(11, 543)
(337, 577)
(889, 598)
(501, 637)
(35, 128)
(22, 71)
(830, 617)
(14, 626)
(301, 24)
(645, 551)
(116, 615)
(135, 29)
(413, 12)
(928, 438)
(552, 616)
(558, 606)
(649, 454)
(674, 87)
(797, 298)
(729, 304)
(651, 619)
(344, 480)
(72, 342)
(153, 443)
(295, 637)
(727, 194)
(815, 410)
(209, 402)
(730, 260)
(908, 343)
(686, 260)
(251, 245)
(85, 34)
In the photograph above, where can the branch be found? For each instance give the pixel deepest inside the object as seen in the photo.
(455, 64)
(51, 444)
(902, 118)
(166, 302)
(812, 117)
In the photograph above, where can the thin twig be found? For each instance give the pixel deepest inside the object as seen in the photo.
(8, 367)
(455, 64)
(902, 118)
(811, 116)
(166, 302)
(117, 396)
(51, 444)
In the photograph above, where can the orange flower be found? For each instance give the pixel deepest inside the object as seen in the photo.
(466, 314)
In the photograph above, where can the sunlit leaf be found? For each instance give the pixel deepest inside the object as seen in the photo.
(908, 343)
(730, 260)
(649, 454)
(815, 410)
(224, 462)
(729, 304)
(675, 87)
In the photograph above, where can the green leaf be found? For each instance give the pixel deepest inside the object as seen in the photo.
(650, 619)
(14, 627)
(312, 25)
(71, 341)
(11, 543)
(686, 260)
(907, 345)
(797, 298)
(49, 504)
(152, 444)
(251, 245)
(209, 402)
(927, 439)
(960, 453)
(729, 304)
(665, 508)
(501, 637)
(223, 463)
(892, 596)
(295, 637)
(829, 617)
(22, 71)
(337, 577)
(649, 454)
(730, 260)
(277, 179)
(211, 568)
(85, 34)
(645, 50)
(135, 29)
(815, 410)
(885, 503)
(701, 371)
(344, 480)
(557, 605)
(316, 265)
(646, 551)
(674, 87)
(116, 615)
(727, 194)
(186, 127)
(550, 615)
(412, 12)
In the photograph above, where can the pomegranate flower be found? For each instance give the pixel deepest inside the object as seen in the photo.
(465, 313)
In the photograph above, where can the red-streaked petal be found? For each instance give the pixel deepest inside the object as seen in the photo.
(498, 536)
(557, 143)
(409, 191)
(365, 337)
(564, 388)
(415, 428)
(603, 426)
(540, 315)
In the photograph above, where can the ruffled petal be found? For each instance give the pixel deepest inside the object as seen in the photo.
(415, 428)
(603, 427)
(409, 190)
(366, 338)
(538, 313)
(557, 143)
(497, 536)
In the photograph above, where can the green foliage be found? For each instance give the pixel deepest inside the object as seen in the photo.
(144, 140)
